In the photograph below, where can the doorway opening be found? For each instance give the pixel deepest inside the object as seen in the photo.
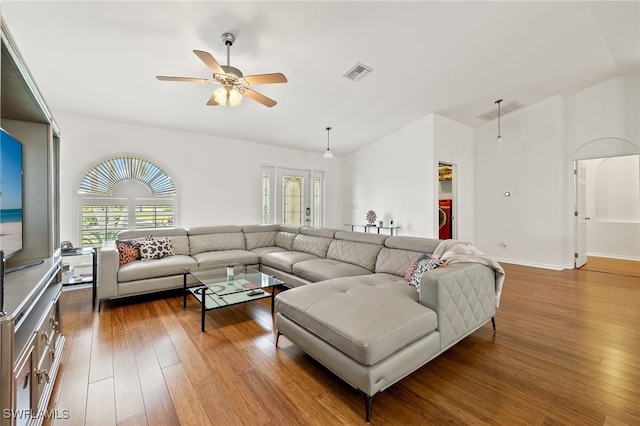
(446, 201)
(607, 208)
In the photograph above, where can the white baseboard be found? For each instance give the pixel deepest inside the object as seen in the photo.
(534, 264)
(613, 256)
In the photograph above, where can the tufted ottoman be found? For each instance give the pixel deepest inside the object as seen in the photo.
(369, 330)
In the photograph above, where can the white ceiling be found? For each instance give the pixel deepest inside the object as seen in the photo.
(454, 58)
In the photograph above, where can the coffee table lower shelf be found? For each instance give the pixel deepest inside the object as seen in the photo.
(217, 291)
(213, 301)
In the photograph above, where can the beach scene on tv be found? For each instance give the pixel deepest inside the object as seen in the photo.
(10, 195)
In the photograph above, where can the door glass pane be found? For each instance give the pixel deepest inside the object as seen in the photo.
(318, 220)
(292, 190)
(266, 198)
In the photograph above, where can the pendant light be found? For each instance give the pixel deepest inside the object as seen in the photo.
(499, 138)
(328, 154)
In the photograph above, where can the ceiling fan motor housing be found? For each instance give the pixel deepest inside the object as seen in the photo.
(228, 39)
(231, 70)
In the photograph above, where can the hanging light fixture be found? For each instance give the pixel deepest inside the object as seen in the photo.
(499, 138)
(328, 154)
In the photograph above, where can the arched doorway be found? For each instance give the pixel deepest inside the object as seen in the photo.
(611, 233)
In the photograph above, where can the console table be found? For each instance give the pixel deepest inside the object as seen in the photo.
(392, 229)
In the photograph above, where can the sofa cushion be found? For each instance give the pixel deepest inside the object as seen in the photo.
(416, 244)
(395, 261)
(318, 232)
(261, 251)
(285, 239)
(256, 236)
(180, 244)
(167, 266)
(312, 244)
(226, 257)
(347, 248)
(284, 260)
(259, 239)
(323, 269)
(216, 238)
(366, 317)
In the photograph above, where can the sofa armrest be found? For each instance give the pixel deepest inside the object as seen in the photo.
(108, 265)
(463, 297)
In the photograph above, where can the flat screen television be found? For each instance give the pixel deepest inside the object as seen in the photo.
(10, 194)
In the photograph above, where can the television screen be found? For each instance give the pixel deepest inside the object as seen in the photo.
(10, 194)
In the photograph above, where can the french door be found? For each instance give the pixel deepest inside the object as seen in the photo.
(294, 195)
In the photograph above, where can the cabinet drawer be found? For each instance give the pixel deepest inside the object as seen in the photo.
(43, 374)
(23, 382)
(47, 333)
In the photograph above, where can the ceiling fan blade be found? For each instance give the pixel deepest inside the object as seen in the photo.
(209, 61)
(212, 101)
(268, 102)
(185, 79)
(275, 77)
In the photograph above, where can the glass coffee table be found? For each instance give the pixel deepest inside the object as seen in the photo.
(222, 287)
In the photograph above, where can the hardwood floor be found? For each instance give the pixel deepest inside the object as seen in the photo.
(566, 351)
(613, 266)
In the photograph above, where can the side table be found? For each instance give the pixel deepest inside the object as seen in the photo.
(93, 279)
(392, 229)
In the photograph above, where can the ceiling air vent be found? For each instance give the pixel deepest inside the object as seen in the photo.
(358, 72)
(505, 108)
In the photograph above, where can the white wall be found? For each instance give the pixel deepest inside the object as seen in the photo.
(525, 227)
(536, 166)
(454, 144)
(602, 121)
(604, 111)
(394, 177)
(613, 206)
(397, 177)
(218, 179)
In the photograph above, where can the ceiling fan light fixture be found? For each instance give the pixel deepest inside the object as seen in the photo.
(220, 95)
(235, 97)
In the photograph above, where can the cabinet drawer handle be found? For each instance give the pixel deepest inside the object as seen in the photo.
(54, 322)
(45, 336)
(43, 373)
(26, 380)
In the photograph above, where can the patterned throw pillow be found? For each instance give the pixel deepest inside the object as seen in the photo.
(129, 250)
(423, 266)
(157, 248)
(413, 266)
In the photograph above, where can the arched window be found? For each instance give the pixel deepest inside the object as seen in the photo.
(124, 192)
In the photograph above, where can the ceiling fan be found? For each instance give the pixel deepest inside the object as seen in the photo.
(233, 84)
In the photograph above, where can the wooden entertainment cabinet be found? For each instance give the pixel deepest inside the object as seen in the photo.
(30, 319)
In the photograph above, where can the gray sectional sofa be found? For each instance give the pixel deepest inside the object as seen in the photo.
(359, 317)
